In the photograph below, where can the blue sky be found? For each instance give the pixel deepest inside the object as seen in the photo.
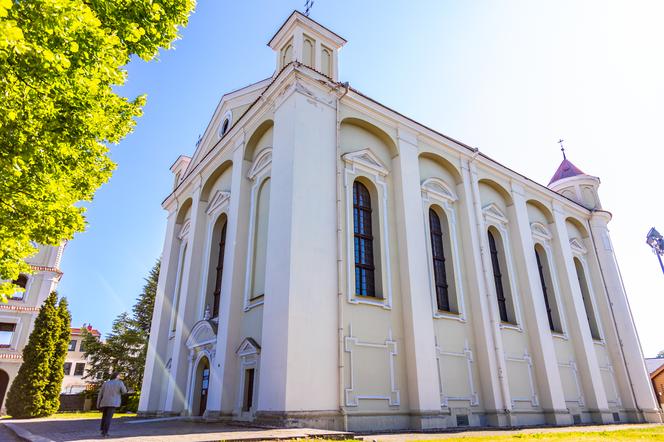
(509, 77)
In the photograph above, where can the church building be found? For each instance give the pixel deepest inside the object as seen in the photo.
(332, 263)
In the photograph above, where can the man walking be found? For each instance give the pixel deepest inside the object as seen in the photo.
(110, 397)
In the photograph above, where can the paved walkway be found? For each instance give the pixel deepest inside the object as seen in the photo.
(155, 430)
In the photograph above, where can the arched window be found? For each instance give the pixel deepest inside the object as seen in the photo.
(498, 263)
(224, 127)
(260, 242)
(587, 301)
(21, 281)
(216, 295)
(308, 52)
(287, 54)
(438, 256)
(547, 289)
(363, 238)
(326, 62)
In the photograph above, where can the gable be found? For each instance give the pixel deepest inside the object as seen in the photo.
(234, 105)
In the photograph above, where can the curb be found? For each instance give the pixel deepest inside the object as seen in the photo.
(24, 434)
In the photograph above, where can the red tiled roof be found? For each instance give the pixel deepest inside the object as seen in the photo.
(78, 331)
(565, 170)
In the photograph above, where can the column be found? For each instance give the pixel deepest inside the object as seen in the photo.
(577, 322)
(154, 376)
(499, 403)
(224, 376)
(534, 309)
(630, 354)
(300, 309)
(472, 231)
(175, 394)
(420, 345)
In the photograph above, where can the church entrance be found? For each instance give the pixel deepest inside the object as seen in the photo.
(203, 384)
(4, 383)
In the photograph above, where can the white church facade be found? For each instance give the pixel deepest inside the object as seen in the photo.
(329, 262)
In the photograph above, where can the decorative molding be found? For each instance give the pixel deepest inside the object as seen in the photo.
(526, 359)
(378, 180)
(575, 373)
(220, 200)
(577, 246)
(467, 354)
(493, 213)
(609, 369)
(184, 230)
(46, 269)
(203, 333)
(540, 232)
(351, 396)
(365, 160)
(19, 308)
(437, 189)
(14, 356)
(248, 347)
(263, 161)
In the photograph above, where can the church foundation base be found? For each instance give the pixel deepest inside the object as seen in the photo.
(324, 420)
(559, 418)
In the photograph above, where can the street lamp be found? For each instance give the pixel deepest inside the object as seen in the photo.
(656, 241)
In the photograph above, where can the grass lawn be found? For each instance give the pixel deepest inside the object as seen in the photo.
(634, 434)
(86, 415)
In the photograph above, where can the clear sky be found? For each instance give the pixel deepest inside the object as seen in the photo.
(509, 77)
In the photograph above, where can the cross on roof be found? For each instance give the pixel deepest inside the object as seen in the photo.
(307, 7)
(562, 148)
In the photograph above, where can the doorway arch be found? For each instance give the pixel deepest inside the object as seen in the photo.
(202, 384)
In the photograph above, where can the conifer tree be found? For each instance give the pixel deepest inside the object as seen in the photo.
(62, 339)
(28, 395)
(125, 347)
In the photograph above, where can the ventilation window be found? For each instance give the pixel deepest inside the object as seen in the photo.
(616, 417)
(462, 420)
(577, 419)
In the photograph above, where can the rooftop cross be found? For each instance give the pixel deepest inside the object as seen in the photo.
(307, 7)
(562, 149)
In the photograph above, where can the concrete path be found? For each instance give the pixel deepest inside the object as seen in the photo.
(133, 430)
(7, 435)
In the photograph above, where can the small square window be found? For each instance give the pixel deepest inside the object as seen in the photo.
(67, 368)
(6, 334)
(79, 368)
(72, 345)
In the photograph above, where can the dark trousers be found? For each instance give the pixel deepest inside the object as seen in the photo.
(107, 415)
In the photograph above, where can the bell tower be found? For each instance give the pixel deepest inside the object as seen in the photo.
(571, 182)
(303, 40)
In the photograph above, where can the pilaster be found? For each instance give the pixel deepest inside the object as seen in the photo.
(301, 273)
(627, 348)
(543, 351)
(155, 373)
(175, 394)
(224, 368)
(577, 321)
(419, 348)
(491, 362)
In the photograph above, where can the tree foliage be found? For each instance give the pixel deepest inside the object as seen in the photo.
(36, 388)
(125, 347)
(59, 63)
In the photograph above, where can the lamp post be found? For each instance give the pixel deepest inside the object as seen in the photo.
(656, 241)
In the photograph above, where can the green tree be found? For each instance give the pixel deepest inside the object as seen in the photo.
(125, 347)
(57, 374)
(60, 62)
(30, 394)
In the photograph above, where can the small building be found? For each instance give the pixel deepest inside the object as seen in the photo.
(76, 363)
(17, 316)
(655, 368)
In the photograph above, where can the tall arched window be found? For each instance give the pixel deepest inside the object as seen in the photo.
(308, 52)
(587, 301)
(503, 292)
(260, 242)
(545, 281)
(364, 257)
(178, 288)
(326, 62)
(216, 295)
(438, 256)
(21, 281)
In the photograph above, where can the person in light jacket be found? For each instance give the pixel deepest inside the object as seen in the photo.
(109, 398)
